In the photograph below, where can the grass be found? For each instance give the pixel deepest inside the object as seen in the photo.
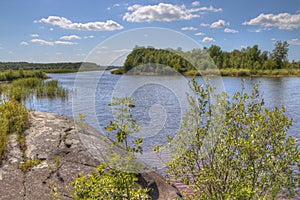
(246, 72)
(29, 164)
(24, 88)
(10, 75)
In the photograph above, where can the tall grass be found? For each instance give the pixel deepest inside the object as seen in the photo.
(24, 88)
(10, 75)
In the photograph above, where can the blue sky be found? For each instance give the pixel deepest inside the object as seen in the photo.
(67, 30)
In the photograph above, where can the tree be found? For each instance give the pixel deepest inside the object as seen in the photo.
(280, 53)
(115, 179)
(234, 148)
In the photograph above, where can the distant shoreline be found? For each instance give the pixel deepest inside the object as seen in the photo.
(228, 72)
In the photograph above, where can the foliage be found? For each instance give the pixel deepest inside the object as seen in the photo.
(10, 75)
(109, 184)
(235, 148)
(249, 60)
(29, 164)
(24, 88)
(280, 53)
(124, 125)
(115, 179)
(13, 119)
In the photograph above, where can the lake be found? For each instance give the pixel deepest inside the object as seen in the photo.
(160, 100)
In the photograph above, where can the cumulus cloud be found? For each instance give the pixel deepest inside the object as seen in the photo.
(64, 42)
(65, 23)
(160, 12)
(284, 21)
(294, 42)
(42, 42)
(70, 37)
(210, 8)
(200, 33)
(51, 43)
(23, 43)
(219, 24)
(195, 3)
(208, 39)
(189, 28)
(34, 35)
(228, 30)
(164, 12)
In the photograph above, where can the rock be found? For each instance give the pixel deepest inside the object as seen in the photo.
(65, 151)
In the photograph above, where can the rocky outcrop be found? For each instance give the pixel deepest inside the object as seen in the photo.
(58, 144)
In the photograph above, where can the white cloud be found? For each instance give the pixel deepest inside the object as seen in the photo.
(189, 28)
(219, 24)
(23, 43)
(195, 3)
(34, 35)
(204, 25)
(294, 42)
(51, 29)
(122, 50)
(243, 47)
(50, 43)
(65, 23)
(42, 42)
(200, 33)
(282, 21)
(210, 8)
(64, 43)
(228, 30)
(160, 12)
(258, 30)
(70, 37)
(208, 39)
(88, 37)
(273, 39)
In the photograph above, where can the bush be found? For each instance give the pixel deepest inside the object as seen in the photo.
(235, 148)
(109, 184)
(13, 119)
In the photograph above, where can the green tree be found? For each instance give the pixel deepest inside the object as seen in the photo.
(235, 148)
(280, 53)
(115, 179)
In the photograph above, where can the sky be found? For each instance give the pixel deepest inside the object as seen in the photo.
(69, 30)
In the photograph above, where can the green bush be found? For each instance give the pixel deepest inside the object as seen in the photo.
(235, 148)
(109, 183)
(13, 120)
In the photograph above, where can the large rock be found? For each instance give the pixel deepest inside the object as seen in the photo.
(66, 151)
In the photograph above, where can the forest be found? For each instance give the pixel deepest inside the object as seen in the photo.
(247, 61)
(50, 67)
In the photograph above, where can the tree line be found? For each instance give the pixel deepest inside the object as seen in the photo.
(47, 66)
(251, 58)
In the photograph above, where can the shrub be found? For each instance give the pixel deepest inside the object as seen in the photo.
(235, 148)
(13, 119)
(109, 183)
